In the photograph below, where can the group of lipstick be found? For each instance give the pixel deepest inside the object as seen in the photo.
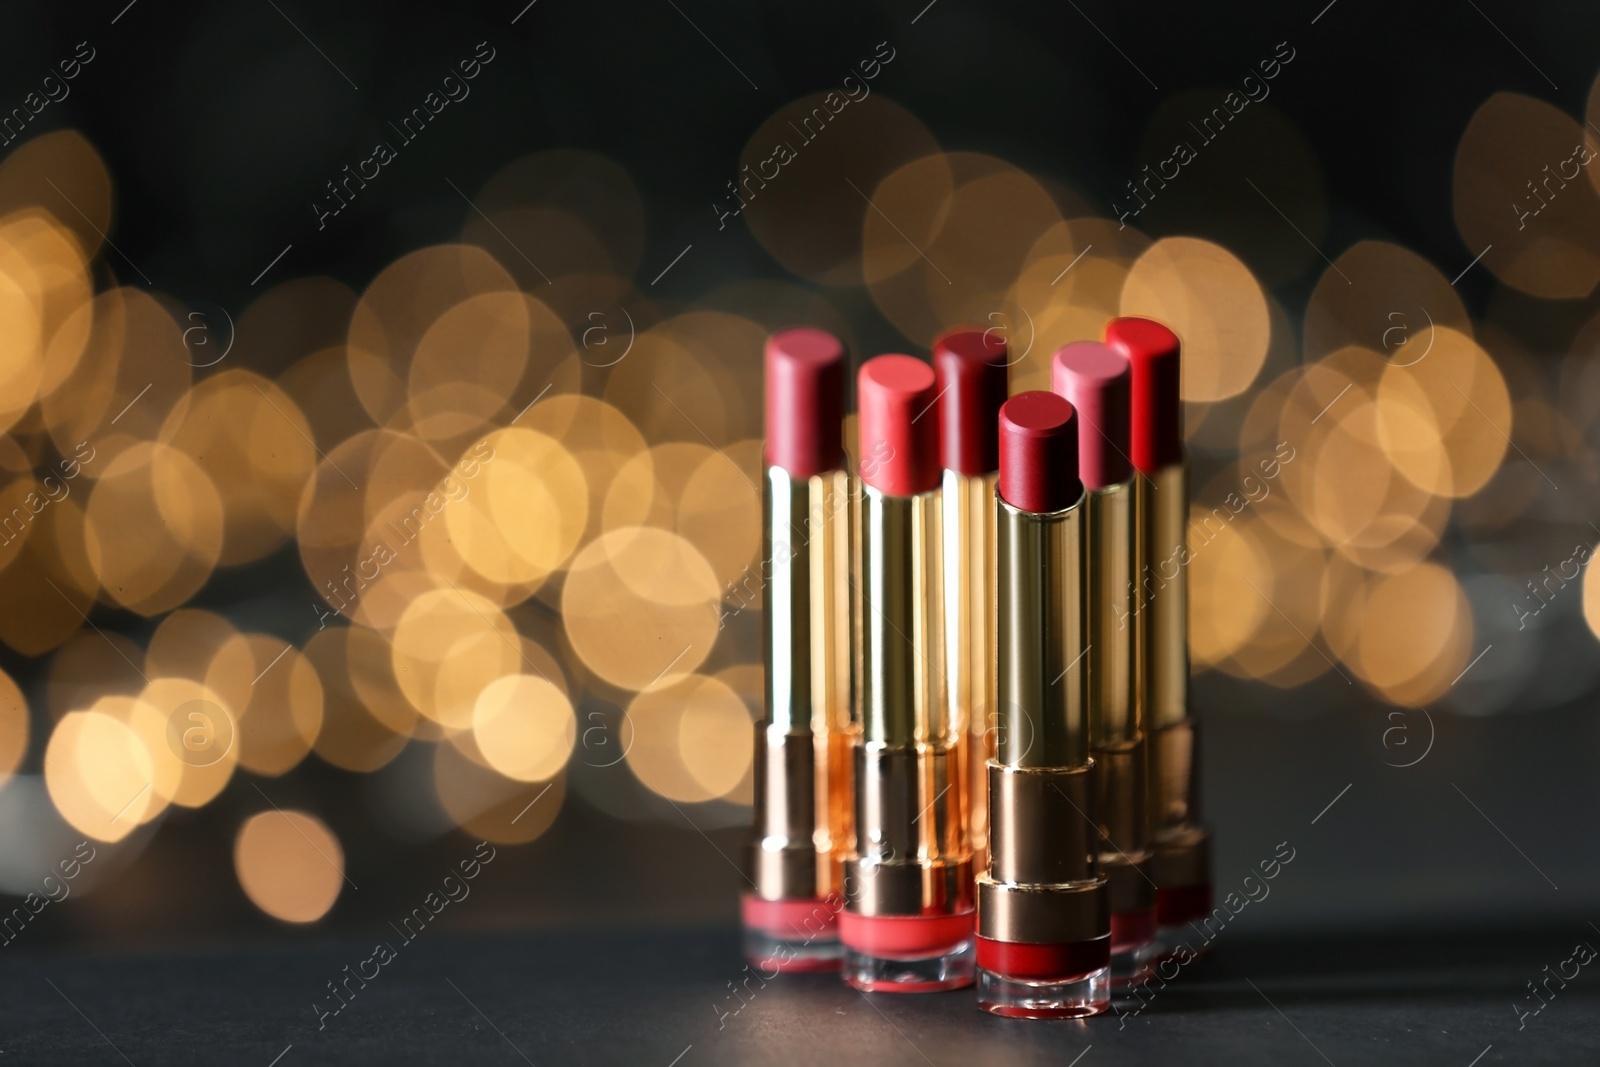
(977, 759)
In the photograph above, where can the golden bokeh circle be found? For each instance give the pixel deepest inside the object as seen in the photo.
(13, 727)
(1416, 633)
(488, 805)
(524, 727)
(153, 528)
(99, 774)
(290, 865)
(1211, 300)
(277, 696)
(691, 739)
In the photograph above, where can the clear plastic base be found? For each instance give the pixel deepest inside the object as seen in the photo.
(1073, 998)
(770, 952)
(1182, 943)
(952, 969)
(1132, 965)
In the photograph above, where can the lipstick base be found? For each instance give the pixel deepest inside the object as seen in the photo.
(1182, 869)
(795, 935)
(1178, 911)
(907, 954)
(1025, 981)
(1133, 946)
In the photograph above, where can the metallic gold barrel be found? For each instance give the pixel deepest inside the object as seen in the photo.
(911, 851)
(1115, 715)
(1043, 881)
(907, 923)
(802, 772)
(1181, 862)
(969, 611)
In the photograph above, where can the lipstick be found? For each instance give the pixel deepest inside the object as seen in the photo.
(1181, 864)
(802, 773)
(908, 919)
(970, 371)
(1044, 924)
(1095, 378)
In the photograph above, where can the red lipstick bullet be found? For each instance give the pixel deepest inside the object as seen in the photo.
(1181, 864)
(972, 373)
(1096, 379)
(907, 924)
(1044, 926)
(802, 795)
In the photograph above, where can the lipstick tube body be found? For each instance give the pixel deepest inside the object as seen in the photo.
(802, 751)
(1044, 924)
(1116, 727)
(907, 924)
(1181, 861)
(969, 611)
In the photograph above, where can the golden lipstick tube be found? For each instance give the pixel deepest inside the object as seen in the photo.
(1044, 925)
(802, 747)
(1095, 380)
(971, 371)
(1181, 861)
(908, 919)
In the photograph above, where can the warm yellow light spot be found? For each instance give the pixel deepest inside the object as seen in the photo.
(641, 607)
(524, 727)
(289, 864)
(520, 518)
(491, 806)
(277, 698)
(947, 237)
(1416, 634)
(1591, 594)
(790, 180)
(1213, 302)
(1224, 555)
(1446, 419)
(401, 306)
(201, 730)
(60, 168)
(748, 680)
(667, 389)
(13, 727)
(1520, 193)
(255, 446)
(99, 775)
(719, 512)
(185, 643)
(471, 358)
(1384, 298)
(53, 577)
(691, 740)
(154, 527)
(353, 736)
(448, 646)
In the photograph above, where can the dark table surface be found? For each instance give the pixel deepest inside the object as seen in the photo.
(663, 999)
